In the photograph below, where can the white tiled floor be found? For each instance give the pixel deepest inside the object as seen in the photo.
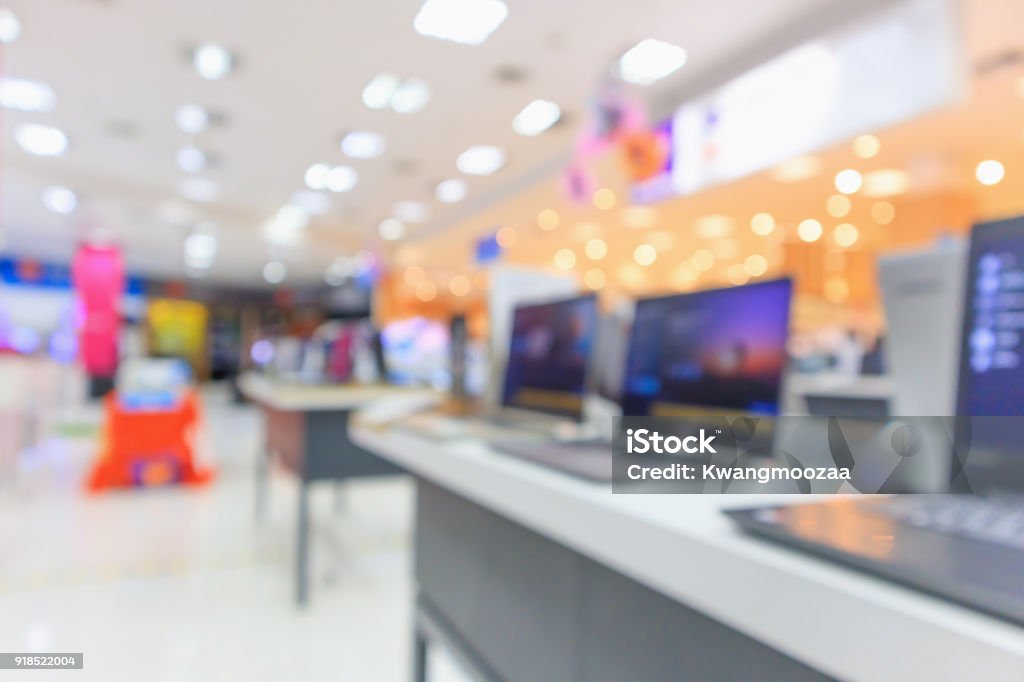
(182, 584)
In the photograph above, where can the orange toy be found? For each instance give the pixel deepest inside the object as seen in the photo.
(148, 447)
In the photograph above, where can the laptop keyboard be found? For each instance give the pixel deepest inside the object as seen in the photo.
(997, 520)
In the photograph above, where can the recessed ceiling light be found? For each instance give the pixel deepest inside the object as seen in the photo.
(192, 159)
(866, 146)
(645, 254)
(202, 190)
(468, 22)
(312, 202)
(378, 92)
(989, 172)
(60, 200)
(10, 26)
(845, 235)
(317, 175)
(411, 96)
(838, 205)
(26, 95)
(596, 249)
(41, 140)
(192, 118)
(755, 264)
(460, 285)
(809, 230)
(411, 212)
(342, 179)
(848, 181)
(200, 250)
(565, 259)
(481, 160)
(650, 60)
(762, 224)
(212, 61)
(536, 117)
(391, 229)
(274, 272)
(451, 191)
(362, 144)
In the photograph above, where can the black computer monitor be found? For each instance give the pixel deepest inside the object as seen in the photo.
(990, 390)
(720, 352)
(549, 354)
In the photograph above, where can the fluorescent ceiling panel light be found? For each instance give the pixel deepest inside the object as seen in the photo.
(362, 144)
(468, 22)
(212, 61)
(651, 60)
(192, 118)
(481, 160)
(378, 92)
(202, 190)
(536, 117)
(41, 140)
(411, 96)
(451, 191)
(60, 200)
(886, 182)
(23, 94)
(10, 26)
(342, 179)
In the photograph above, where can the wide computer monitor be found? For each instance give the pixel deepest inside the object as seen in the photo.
(991, 386)
(549, 356)
(718, 353)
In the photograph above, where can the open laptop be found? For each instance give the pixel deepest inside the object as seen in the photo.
(967, 547)
(551, 348)
(693, 356)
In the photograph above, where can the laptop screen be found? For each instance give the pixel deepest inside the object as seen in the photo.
(548, 356)
(718, 352)
(991, 371)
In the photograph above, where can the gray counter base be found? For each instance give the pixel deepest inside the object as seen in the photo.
(515, 605)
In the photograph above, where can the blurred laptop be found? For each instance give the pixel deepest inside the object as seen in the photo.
(551, 349)
(966, 547)
(694, 356)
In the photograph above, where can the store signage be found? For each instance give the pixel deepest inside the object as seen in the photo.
(888, 68)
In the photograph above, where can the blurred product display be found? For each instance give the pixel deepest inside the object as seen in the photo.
(452, 339)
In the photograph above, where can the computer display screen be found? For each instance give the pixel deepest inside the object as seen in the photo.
(548, 356)
(721, 351)
(991, 373)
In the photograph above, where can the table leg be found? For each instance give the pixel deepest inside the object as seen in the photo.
(419, 657)
(302, 548)
(262, 482)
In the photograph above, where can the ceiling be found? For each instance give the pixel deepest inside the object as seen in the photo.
(119, 69)
(939, 151)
